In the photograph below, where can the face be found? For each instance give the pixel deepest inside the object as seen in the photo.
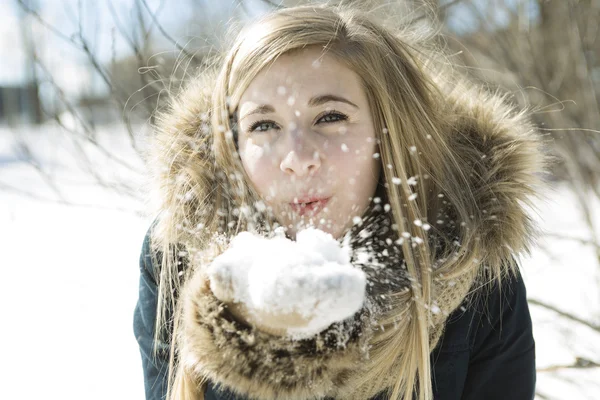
(307, 142)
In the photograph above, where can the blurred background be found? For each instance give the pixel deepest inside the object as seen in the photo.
(79, 83)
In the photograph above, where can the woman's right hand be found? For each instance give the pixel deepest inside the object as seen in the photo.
(328, 295)
(291, 292)
(276, 324)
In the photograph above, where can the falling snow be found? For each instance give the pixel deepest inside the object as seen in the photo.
(49, 225)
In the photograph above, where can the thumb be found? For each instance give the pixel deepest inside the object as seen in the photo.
(220, 278)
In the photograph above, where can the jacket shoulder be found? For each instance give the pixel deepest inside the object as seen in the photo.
(502, 349)
(487, 342)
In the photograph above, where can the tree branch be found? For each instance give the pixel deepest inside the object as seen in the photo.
(583, 241)
(565, 314)
(580, 363)
(162, 30)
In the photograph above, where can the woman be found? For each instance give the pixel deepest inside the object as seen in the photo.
(320, 117)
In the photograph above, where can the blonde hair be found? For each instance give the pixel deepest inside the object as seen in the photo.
(211, 193)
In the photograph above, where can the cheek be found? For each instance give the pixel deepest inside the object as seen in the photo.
(261, 169)
(353, 159)
(357, 171)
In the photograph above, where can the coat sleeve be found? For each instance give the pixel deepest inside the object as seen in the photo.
(502, 362)
(154, 368)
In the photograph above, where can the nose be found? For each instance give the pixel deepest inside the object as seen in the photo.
(302, 159)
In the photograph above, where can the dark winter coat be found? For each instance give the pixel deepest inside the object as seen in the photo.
(487, 350)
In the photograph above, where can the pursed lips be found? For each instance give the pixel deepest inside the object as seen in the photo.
(309, 205)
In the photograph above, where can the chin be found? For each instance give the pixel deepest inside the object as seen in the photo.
(334, 230)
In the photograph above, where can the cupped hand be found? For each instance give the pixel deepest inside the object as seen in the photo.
(288, 288)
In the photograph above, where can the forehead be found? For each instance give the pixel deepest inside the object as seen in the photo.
(303, 73)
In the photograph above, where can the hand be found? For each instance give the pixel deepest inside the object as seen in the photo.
(276, 324)
(288, 288)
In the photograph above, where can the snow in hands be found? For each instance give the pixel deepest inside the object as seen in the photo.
(312, 277)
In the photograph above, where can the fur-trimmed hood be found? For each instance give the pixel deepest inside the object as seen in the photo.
(505, 162)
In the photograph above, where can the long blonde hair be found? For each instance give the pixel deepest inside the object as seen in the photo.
(210, 191)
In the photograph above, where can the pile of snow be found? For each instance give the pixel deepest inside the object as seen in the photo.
(311, 277)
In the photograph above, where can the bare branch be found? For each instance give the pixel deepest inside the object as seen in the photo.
(580, 363)
(29, 159)
(45, 24)
(271, 4)
(583, 241)
(87, 136)
(163, 31)
(564, 314)
(124, 33)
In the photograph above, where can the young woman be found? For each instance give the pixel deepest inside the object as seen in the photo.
(321, 117)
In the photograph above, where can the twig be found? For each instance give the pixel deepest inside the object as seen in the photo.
(587, 242)
(46, 24)
(87, 134)
(271, 4)
(564, 314)
(29, 159)
(441, 8)
(580, 363)
(162, 30)
(541, 396)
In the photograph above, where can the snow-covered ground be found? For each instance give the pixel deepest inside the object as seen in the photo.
(70, 279)
(566, 275)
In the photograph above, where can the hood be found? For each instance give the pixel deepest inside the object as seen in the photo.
(504, 157)
(500, 150)
(501, 154)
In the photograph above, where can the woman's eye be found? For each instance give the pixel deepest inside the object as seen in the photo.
(262, 126)
(333, 117)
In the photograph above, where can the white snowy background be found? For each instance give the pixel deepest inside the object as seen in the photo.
(70, 272)
(70, 278)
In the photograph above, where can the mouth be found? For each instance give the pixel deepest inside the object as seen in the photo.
(309, 206)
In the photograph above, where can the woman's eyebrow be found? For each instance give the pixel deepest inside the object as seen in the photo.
(262, 109)
(313, 102)
(319, 100)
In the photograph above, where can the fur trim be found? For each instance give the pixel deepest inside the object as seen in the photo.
(262, 366)
(504, 159)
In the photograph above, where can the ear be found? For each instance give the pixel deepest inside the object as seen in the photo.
(185, 387)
